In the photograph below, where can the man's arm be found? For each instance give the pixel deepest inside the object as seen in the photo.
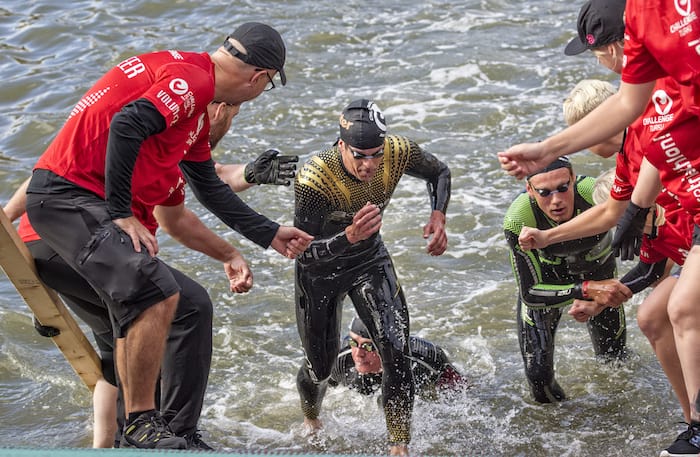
(597, 219)
(608, 119)
(184, 226)
(630, 227)
(309, 217)
(268, 168)
(128, 130)
(436, 173)
(17, 204)
(648, 185)
(220, 199)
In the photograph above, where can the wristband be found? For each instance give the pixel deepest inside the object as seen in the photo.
(584, 289)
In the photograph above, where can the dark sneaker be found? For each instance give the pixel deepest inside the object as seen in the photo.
(194, 441)
(149, 431)
(687, 443)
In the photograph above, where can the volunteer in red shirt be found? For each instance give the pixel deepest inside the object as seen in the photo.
(123, 143)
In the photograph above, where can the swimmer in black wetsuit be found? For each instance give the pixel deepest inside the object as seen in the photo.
(341, 194)
(359, 366)
(552, 278)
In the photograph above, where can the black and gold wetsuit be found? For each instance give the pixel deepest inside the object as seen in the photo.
(550, 279)
(327, 197)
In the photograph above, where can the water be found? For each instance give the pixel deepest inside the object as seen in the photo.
(463, 78)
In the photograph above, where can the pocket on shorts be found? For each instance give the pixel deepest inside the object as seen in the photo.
(110, 263)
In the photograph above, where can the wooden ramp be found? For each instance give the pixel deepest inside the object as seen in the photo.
(18, 265)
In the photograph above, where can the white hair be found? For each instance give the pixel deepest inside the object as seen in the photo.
(602, 186)
(585, 97)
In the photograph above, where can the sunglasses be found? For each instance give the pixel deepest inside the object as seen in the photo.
(369, 347)
(358, 155)
(547, 192)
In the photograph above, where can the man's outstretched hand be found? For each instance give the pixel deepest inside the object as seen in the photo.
(271, 168)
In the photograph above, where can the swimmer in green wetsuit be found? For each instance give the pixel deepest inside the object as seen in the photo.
(552, 278)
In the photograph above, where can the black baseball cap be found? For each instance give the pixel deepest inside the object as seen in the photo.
(362, 124)
(358, 328)
(600, 22)
(263, 45)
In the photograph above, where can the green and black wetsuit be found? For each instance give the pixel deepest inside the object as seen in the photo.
(550, 279)
(327, 197)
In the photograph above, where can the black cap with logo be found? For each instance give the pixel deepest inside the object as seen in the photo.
(263, 45)
(362, 125)
(600, 22)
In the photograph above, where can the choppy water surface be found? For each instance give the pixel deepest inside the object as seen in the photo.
(465, 79)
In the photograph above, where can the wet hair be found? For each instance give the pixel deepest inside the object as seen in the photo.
(585, 97)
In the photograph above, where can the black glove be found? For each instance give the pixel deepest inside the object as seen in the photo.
(45, 330)
(629, 232)
(271, 168)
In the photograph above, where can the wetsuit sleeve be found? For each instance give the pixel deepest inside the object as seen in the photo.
(643, 275)
(342, 372)
(430, 357)
(218, 198)
(436, 173)
(129, 129)
(526, 265)
(324, 249)
(310, 211)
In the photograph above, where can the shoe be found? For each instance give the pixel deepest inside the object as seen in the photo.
(687, 443)
(194, 441)
(149, 431)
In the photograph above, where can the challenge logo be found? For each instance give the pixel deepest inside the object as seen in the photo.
(662, 105)
(688, 16)
(662, 102)
(682, 6)
(178, 86)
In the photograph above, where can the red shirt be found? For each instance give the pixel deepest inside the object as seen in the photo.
(179, 84)
(663, 113)
(662, 38)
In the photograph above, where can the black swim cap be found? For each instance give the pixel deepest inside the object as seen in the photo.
(357, 327)
(362, 125)
(561, 162)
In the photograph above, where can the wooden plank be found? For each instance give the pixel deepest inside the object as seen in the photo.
(18, 264)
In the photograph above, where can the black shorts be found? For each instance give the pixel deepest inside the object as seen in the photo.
(76, 224)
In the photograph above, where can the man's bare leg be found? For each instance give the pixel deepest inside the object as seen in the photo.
(140, 354)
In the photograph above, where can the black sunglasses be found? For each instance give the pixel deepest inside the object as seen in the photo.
(547, 192)
(369, 347)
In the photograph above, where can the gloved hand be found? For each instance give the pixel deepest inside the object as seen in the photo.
(45, 330)
(271, 168)
(629, 232)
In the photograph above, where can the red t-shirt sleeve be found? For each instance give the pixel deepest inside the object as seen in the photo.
(639, 65)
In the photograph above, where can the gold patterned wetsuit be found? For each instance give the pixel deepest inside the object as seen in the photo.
(327, 197)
